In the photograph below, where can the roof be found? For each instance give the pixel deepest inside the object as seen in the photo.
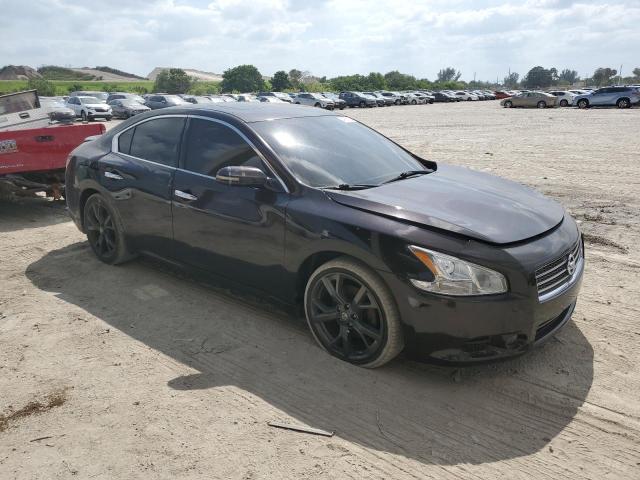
(257, 112)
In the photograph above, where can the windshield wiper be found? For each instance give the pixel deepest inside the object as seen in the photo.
(407, 174)
(347, 186)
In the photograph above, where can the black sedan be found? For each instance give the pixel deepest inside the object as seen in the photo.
(125, 108)
(383, 250)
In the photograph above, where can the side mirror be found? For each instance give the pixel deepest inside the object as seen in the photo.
(242, 176)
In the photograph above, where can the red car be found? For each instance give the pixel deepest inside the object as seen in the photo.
(500, 94)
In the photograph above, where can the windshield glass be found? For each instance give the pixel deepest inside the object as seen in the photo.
(334, 150)
(90, 100)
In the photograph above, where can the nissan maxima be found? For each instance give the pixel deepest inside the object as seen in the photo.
(382, 250)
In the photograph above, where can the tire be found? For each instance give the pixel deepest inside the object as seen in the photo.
(541, 104)
(104, 231)
(368, 337)
(469, 99)
(397, 102)
(564, 103)
(508, 104)
(583, 103)
(108, 119)
(83, 116)
(317, 105)
(362, 104)
(623, 103)
(414, 102)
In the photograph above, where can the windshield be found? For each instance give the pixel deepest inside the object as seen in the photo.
(90, 100)
(130, 102)
(334, 150)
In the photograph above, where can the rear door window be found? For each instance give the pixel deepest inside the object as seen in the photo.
(124, 141)
(158, 140)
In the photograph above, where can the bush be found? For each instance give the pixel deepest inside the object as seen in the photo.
(174, 80)
(44, 87)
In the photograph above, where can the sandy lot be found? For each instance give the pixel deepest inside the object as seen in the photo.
(138, 372)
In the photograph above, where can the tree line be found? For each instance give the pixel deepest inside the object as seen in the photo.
(540, 77)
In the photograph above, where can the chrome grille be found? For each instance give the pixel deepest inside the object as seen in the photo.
(556, 275)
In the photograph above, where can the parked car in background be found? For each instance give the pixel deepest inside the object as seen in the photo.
(314, 100)
(327, 214)
(424, 96)
(126, 107)
(413, 99)
(621, 97)
(466, 96)
(395, 97)
(530, 99)
(89, 108)
(500, 94)
(56, 109)
(358, 99)
(102, 96)
(121, 95)
(453, 94)
(338, 102)
(280, 95)
(246, 97)
(565, 98)
(442, 97)
(380, 100)
(196, 99)
(155, 102)
(270, 99)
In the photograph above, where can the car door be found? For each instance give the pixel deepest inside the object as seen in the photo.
(235, 231)
(139, 174)
(74, 104)
(602, 96)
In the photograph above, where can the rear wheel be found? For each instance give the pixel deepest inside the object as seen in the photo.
(352, 314)
(104, 231)
(542, 104)
(623, 103)
(564, 103)
(583, 103)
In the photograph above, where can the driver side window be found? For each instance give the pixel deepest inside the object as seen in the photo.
(211, 146)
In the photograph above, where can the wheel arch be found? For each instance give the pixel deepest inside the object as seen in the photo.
(84, 196)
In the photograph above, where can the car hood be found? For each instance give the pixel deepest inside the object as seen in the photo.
(461, 201)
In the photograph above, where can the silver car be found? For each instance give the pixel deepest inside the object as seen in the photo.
(314, 100)
(89, 108)
(621, 97)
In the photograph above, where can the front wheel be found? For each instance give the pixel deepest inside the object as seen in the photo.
(583, 103)
(352, 314)
(362, 104)
(83, 116)
(104, 232)
(508, 104)
(108, 119)
(542, 104)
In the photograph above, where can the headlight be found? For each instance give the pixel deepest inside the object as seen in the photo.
(453, 276)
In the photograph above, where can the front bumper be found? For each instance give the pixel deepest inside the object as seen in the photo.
(95, 114)
(463, 330)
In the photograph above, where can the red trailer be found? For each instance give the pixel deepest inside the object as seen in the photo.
(33, 151)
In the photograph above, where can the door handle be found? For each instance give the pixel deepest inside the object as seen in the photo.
(185, 195)
(113, 176)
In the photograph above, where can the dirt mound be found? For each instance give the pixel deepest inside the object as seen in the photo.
(18, 72)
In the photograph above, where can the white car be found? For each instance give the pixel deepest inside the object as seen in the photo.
(565, 98)
(89, 108)
(314, 100)
(466, 95)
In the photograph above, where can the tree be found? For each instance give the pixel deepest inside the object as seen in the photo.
(74, 87)
(399, 81)
(174, 80)
(538, 77)
(511, 80)
(603, 76)
(295, 76)
(376, 81)
(449, 74)
(280, 81)
(636, 72)
(569, 76)
(44, 87)
(243, 78)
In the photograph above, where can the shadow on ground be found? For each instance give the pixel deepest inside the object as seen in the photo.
(432, 414)
(35, 212)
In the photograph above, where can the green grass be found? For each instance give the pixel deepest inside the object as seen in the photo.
(62, 86)
(52, 72)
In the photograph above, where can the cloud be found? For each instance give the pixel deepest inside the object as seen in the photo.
(329, 37)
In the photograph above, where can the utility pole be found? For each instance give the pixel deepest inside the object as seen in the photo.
(620, 75)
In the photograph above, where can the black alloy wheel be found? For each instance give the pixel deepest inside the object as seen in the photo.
(103, 232)
(623, 103)
(352, 315)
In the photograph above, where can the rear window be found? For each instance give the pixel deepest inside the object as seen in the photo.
(158, 140)
(124, 141)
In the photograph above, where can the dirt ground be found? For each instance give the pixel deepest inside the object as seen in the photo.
(138, 372)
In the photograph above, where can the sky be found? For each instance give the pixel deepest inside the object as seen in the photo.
(324, 37)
